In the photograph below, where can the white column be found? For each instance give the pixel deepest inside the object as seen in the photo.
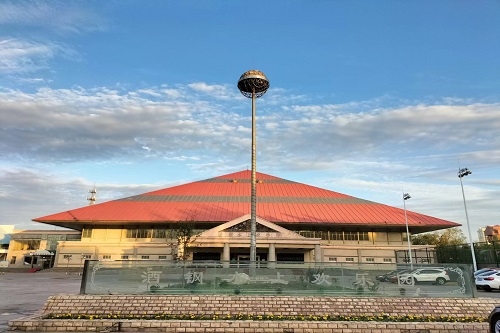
(271, 256)
(317, 253)
(226, 255)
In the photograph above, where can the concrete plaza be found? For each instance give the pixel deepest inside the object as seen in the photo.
(23, 293)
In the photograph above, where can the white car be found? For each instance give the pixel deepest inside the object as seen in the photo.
(485, 270)
(434, 275)
(488, 281)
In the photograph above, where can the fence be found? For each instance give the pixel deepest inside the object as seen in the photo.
(487, 254)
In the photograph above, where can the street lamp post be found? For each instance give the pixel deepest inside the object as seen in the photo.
(406, 196)
(462, 173)
(253, 84)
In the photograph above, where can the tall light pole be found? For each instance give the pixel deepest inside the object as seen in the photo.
(406, 196)
(253, 84)
(462, 173)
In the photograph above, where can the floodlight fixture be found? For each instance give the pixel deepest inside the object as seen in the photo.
(464, 172)
(253, 83)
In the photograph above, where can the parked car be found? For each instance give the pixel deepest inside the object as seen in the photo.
(394, 278)
(387, 276)
(484, 270)
(488, 281)
(435, 275)
(494, 320)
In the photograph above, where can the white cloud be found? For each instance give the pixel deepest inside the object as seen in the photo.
(222, 92)
(80, 123)
(374, 150)
(173, 93)
(20, 56)
(47, 193)
(57, 16)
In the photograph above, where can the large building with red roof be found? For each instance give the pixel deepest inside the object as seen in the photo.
(295, 222)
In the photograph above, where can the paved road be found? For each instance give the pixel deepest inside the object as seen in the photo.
(22, 294)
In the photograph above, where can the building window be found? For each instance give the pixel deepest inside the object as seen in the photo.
(370, 259)
(144, 233)
(307, 233)
(160, 233)
(86, 256)
(332, 259)
(349, 259)
(336, 235)
(27, 244)
(387, 260)
(13, 260)
(87, 233)
(124, 257)
(131, 233)
(73, 237)
(351, 235)
(363, 236)
(106, 257)
(162, 257)
(145, 257)
(68, 256)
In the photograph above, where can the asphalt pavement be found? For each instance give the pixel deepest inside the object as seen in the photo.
(23, 293)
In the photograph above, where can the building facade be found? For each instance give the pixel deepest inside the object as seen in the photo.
(295, 222)
(37, 248)
(492, 233)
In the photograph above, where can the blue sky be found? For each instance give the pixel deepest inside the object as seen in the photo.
(367, 98)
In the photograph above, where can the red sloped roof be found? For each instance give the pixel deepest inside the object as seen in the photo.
(227, 197)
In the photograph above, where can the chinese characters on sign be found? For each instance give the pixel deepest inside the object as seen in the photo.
(321, 279)
(192, 277)
(150, 276)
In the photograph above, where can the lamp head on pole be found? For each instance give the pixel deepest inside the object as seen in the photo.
(463, 172)
(406, 196)
(253, 82)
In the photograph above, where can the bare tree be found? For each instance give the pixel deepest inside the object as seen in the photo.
(185, 234)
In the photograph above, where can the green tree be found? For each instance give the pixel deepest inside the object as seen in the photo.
(429, 238)
(452, 236)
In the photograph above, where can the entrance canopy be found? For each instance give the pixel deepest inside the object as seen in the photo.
(42, 253)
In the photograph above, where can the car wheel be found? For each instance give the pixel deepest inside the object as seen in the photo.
(487, 288)
(440, 281)
(495, 324)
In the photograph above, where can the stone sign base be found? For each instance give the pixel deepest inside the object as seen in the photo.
(149, 305)
(205, 326)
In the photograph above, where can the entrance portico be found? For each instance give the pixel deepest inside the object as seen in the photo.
(229, 242)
